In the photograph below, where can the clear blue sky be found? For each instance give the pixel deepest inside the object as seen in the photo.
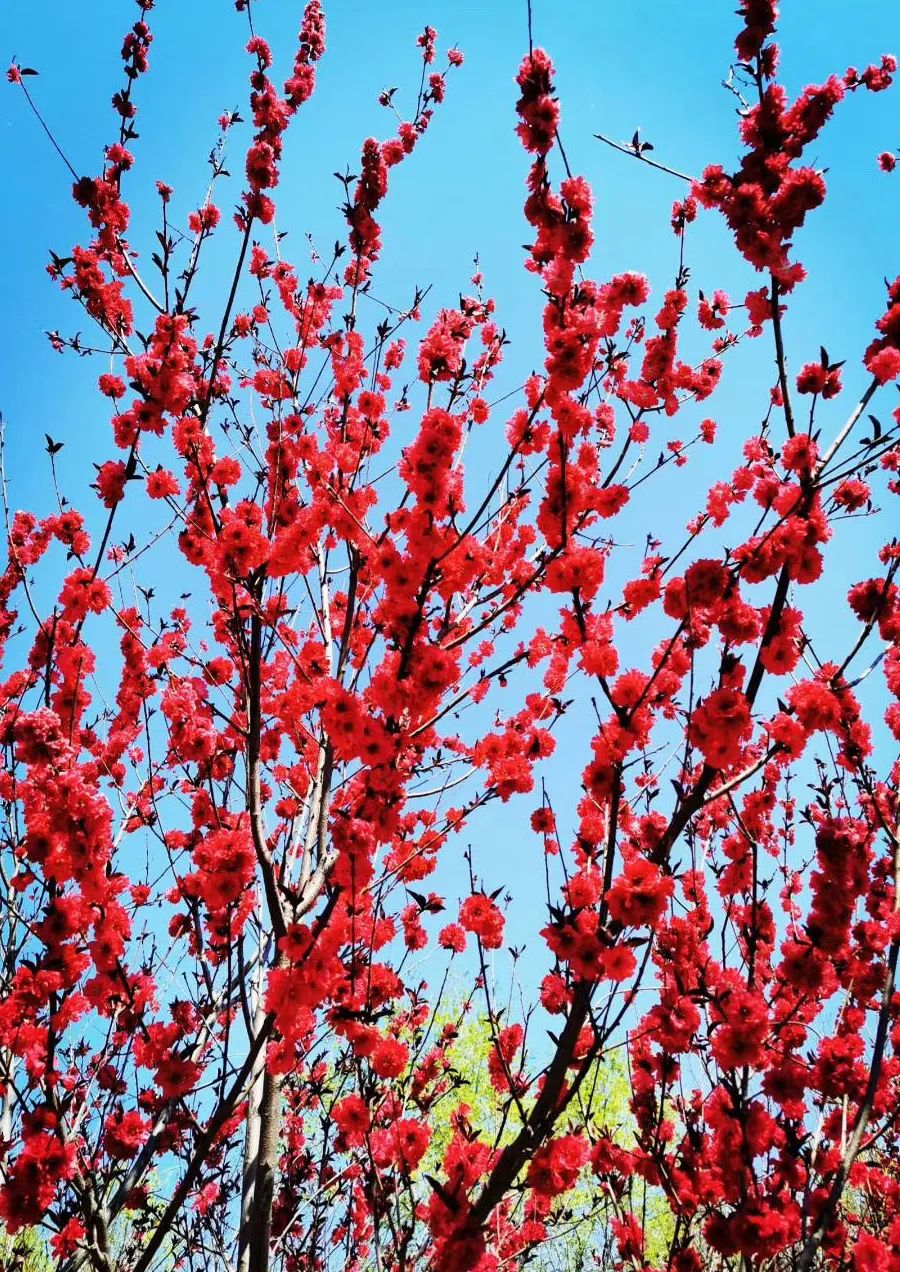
(620, 65)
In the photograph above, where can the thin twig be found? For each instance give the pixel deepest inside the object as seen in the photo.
(627, 149)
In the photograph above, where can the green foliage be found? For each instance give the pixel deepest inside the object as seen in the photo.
(24, 1252)
(602, 1104)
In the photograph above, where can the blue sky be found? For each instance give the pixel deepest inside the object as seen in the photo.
(648, 64)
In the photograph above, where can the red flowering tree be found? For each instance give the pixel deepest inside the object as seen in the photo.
(216, 1047)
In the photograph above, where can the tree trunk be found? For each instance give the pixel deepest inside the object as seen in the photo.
(251, 1155)
(264, 1177)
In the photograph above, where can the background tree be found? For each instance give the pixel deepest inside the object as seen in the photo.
(218, 1046)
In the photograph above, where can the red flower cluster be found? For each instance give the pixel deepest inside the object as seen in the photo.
(272, 114)
(719, 725)
(479, 915)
